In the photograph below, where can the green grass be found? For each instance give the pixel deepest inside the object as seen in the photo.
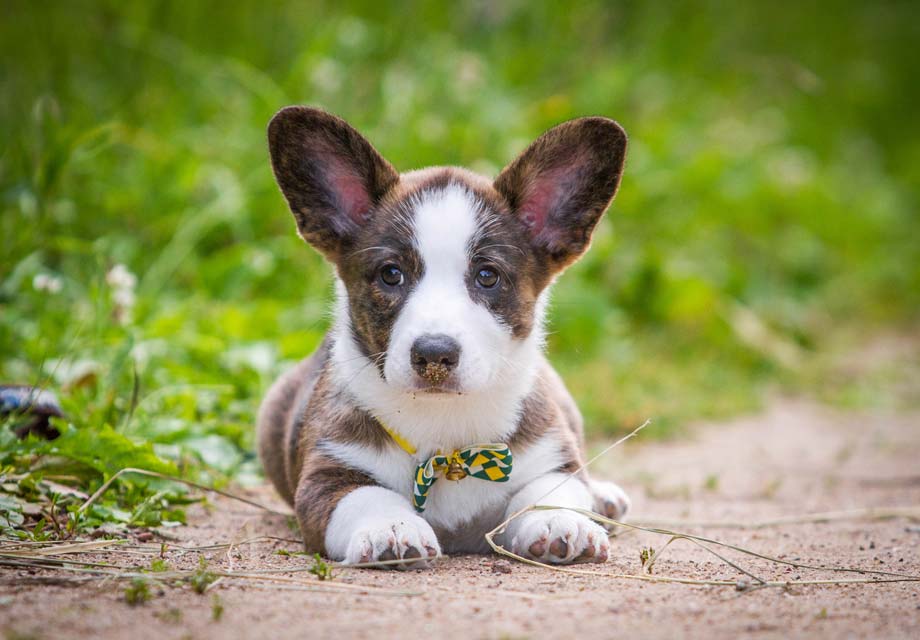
(770, 197)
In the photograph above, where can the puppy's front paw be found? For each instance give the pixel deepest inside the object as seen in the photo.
(559, 536)
(391, 539)
(610, 500)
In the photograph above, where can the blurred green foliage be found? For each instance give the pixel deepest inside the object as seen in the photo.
(770, 195)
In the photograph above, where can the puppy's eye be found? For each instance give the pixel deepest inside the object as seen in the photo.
(487, 278)
(391, 276)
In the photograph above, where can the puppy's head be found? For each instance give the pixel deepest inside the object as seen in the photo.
(443, 268)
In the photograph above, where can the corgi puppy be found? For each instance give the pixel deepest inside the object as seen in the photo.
(429, 413)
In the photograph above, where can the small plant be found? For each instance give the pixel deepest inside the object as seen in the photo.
(711, 483)
(159, 565)
(172, 615)
(202, 578)
(321, 569)
(646, 554)
(137, 592)
(217, 608)
(39, 532)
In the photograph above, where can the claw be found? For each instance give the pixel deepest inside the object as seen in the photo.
(588, 553)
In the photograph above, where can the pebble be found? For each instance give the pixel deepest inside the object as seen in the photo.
(501, 566)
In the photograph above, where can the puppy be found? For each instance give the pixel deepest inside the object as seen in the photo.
(429, 413)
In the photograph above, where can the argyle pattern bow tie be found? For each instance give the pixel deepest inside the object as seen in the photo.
(484, 461)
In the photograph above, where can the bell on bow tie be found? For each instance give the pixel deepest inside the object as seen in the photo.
(455, 471)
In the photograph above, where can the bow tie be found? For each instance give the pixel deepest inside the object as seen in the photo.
(484, 461)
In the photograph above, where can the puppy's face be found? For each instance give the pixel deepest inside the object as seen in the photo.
(441, 288)
(443, 268)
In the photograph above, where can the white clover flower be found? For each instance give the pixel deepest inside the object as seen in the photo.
(119, 277)
(40, 281)
(122, 282)
(47, 282)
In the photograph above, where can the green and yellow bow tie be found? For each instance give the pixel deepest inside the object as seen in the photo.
(484, 461)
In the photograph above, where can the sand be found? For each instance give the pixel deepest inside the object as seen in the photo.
(794, 459)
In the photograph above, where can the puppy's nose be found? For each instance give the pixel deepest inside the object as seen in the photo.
(434, 355)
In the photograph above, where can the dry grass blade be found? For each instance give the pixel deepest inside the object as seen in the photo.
(217, 546)
(163, 476)
(326, 588)
(871, 513)
(492, 594)
(338, 586)
(95, 571)
(61, 549)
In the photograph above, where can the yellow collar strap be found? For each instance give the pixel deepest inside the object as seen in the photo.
(404, 444)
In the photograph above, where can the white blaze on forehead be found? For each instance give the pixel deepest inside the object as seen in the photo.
(444, 223)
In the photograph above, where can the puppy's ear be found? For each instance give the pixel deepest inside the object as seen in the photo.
(562, 183)
(330, 175)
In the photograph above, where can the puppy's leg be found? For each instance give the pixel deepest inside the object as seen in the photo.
(343, 512)
(373, 523)
(558, 535)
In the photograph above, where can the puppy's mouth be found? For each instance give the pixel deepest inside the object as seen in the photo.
(448, 387)
(422, 386)
(436, 379)
(438, 391)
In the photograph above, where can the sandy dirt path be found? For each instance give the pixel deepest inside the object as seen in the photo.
(797, 458)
